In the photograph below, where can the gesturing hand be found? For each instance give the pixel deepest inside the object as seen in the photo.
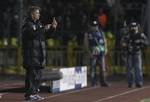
(54, 23)
(47, 26)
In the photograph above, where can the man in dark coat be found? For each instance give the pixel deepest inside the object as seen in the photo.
(33, 50)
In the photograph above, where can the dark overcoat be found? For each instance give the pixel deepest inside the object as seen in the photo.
(33, 44)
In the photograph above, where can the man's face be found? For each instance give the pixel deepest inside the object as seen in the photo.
(134, 28)
(35, 15)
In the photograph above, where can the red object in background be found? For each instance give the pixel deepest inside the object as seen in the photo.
(102, 18)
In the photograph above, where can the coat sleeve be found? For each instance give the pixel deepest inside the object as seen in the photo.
(144, 40)
(30, 31)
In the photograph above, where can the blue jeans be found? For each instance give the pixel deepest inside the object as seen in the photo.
(100, 59)
(134, 69)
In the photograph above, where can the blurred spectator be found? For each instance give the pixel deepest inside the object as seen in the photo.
(67, 32)
(97, 52)
(102, 18)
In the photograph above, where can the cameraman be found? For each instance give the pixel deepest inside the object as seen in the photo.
(134, 42)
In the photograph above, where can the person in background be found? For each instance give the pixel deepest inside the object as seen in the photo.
(102, 18)
(33, 50)
(134, 41)
(97, 53)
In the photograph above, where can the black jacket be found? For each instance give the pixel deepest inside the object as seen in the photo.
(135, 42)
(33, 44)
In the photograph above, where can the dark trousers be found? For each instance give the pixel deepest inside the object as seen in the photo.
(32, 81)
(100, 59)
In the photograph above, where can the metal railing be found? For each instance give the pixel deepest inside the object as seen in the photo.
(61, 57)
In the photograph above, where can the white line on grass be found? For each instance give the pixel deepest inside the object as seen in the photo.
(121, 94)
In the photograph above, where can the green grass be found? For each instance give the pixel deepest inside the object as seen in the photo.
(145, 100)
